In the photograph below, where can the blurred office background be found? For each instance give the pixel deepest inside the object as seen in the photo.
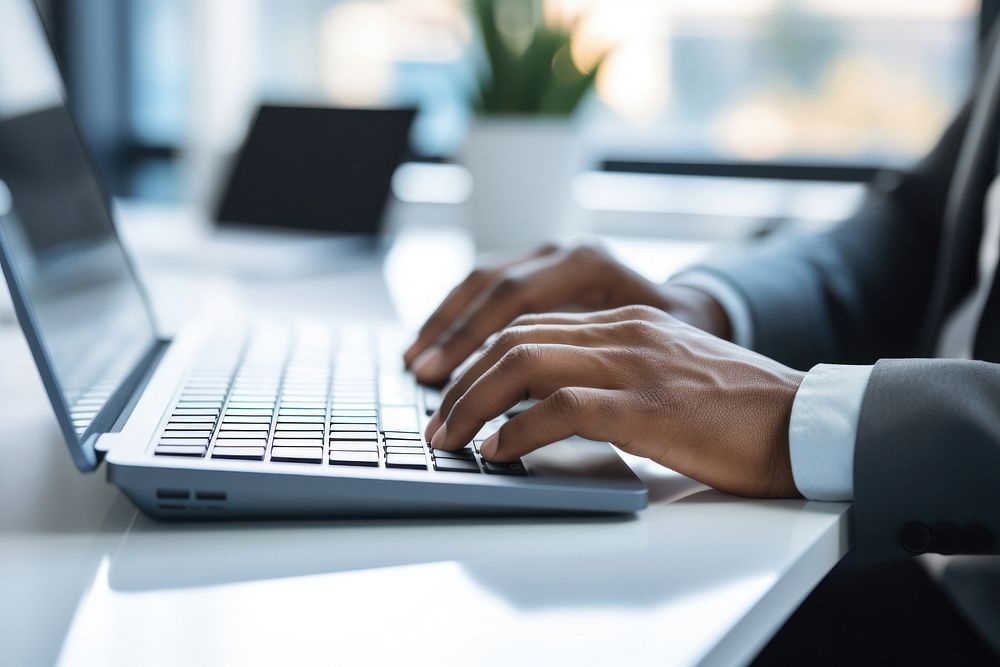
(792, 90)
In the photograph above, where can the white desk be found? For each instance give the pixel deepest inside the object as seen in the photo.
(698, 578)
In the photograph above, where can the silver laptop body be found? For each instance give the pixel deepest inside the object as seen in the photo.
(249, 421)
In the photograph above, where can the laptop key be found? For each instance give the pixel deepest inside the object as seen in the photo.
(367, 459)
(354, 435)
(192, 419)
(184, 442)
(407, 444)
(354, 420)
(402, 435)
(354, 412)
(297, 454)
(302, 412)
(354, 446)
(249, 412)
(291, 442)
(205, 398)
(240, 426)
(195, 412)
(397, 389)
(245, 420)
(462, 454)
(285, 426)
(170, 450)
(354, 427)
(411, 461)
(347, 406)
(455, 465)
(312, 419)
(241, 442)
(185, 426)
(404, 450)
(170, 433)
(239, 453)
(395, 418)
(240, 435)
(516, 468)
(299, 435)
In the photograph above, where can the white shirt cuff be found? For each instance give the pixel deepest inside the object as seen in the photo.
(729, 298)
(824, 428)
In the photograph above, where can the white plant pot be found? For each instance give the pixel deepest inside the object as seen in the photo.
(522, 176)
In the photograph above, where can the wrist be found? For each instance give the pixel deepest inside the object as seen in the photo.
(697, 308)
(780, 480)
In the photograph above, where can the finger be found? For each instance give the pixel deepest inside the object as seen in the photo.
(443, 316)
(459, 299)
(585, 412)
(625, 313)
(527, 371)
(531, 287)
(503, 343)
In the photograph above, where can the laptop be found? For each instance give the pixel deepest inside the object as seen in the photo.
(243, 422)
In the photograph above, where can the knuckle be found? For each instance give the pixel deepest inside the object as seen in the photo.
(525, 321)
(643, 312)
(508, 338)
(520, 356)
(508, 286)
(640, 329)
(567, 402)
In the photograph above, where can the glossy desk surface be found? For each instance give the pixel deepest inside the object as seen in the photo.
(698, 578)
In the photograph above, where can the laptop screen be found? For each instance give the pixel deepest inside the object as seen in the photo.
(78, 300)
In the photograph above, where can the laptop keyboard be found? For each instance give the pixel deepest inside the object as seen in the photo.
(308, 397)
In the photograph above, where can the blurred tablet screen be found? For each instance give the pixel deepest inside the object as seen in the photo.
(316, 168)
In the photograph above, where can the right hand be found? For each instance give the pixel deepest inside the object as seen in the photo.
(554, 277)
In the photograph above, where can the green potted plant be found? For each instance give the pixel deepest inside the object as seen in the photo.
(522, 149)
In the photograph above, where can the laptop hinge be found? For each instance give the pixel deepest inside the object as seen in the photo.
(127, 397)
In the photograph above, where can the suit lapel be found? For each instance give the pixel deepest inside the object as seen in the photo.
(976, 167)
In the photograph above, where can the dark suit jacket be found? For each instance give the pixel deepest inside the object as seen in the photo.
(876, 289)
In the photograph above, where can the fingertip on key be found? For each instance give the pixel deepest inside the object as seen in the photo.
(489, 446)
(429, 366)
(433, 424)
(440, 438)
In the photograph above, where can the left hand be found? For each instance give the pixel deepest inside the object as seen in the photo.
(640, 379)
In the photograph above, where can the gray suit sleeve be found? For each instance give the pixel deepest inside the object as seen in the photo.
(858, 292)
(927, 459)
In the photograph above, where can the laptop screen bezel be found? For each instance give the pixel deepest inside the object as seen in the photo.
(83, 447)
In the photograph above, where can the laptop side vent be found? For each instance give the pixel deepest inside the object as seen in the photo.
(179, 500)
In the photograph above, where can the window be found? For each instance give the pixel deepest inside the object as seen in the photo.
(802, 81)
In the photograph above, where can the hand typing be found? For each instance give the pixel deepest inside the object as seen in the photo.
(639, 378)
(582, 277)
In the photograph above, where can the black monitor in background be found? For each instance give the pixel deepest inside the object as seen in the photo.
(316, 168)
